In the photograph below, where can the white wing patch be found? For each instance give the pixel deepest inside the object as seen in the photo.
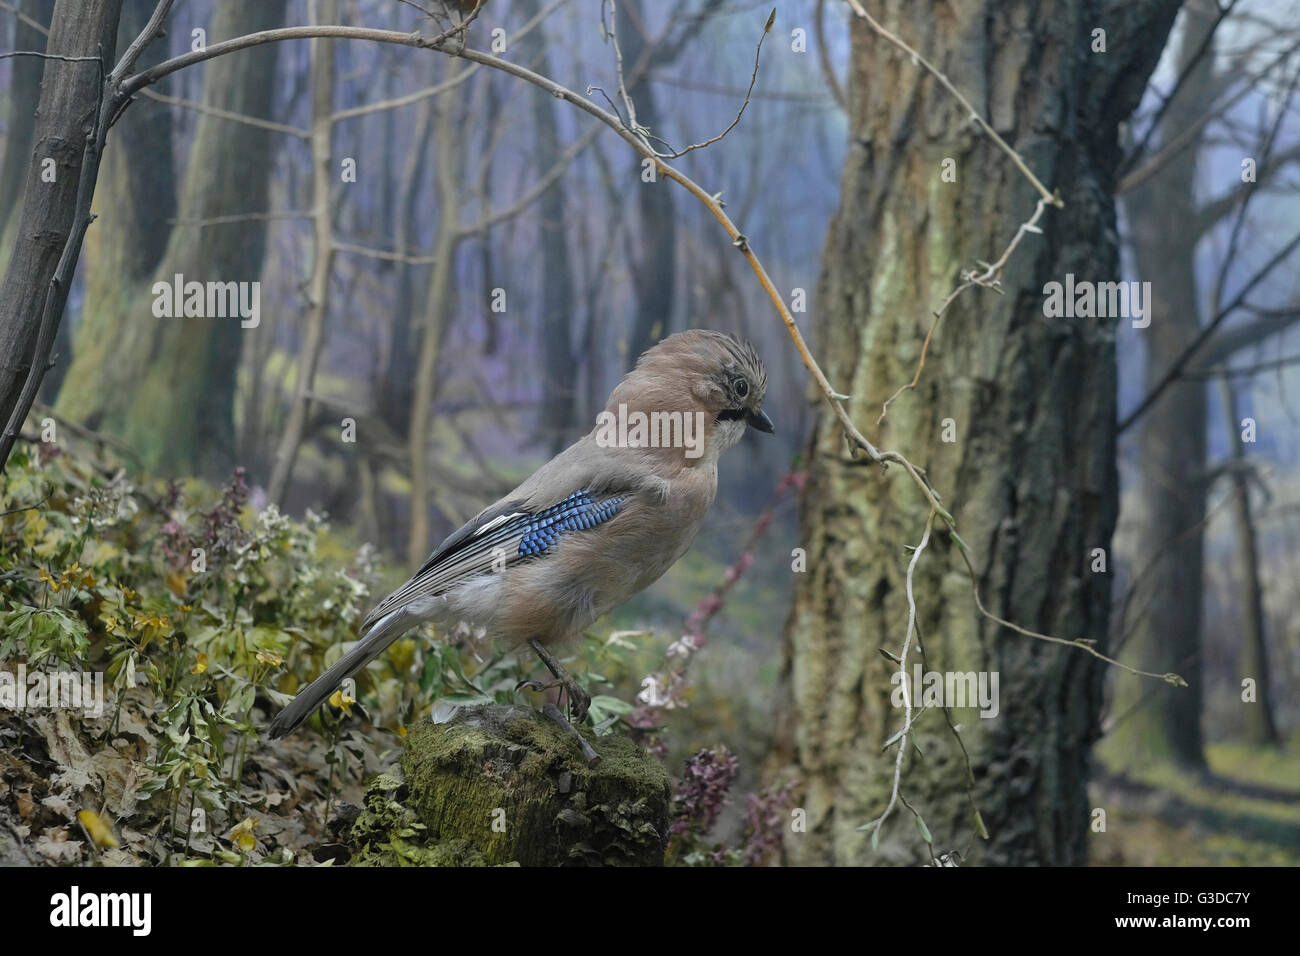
(498, 522)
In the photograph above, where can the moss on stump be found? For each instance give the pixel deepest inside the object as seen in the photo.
(500, 785)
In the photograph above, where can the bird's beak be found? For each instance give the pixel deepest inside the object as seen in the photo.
(758, 419)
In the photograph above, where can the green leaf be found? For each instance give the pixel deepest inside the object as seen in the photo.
(925, 831)
(979, 826)
(613, 705)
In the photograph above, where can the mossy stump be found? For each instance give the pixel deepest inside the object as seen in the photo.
(499, 785)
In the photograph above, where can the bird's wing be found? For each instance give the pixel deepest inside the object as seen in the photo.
(508, 532)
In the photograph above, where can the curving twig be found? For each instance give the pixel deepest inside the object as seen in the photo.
(990, 278)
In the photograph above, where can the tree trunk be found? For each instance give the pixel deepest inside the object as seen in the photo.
(318, 282)
(135, 202)
(1031, 473)
(1155, 721)
(437, 307)
(654, 270)
(69, 105)
(558, 365)
(24, 91)
(166, 386)
(1258, 724)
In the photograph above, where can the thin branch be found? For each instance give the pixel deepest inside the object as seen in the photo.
(151, 31)
(1188, 69)
(877, 823)
(14, 511)
(1266, 322)
(404, 100)
(1244, 370)
(611, 31)
(226, 114)
(1188, 136)
(767, 28)
(202, 222)
(38, 27)
(824, 56)
(382, 254)
(1079, 642)
(989, 279)
(50, 56)
(1265, 151)
(539, 186)
(1179, 364)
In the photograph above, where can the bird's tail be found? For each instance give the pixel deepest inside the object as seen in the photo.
(382, 633)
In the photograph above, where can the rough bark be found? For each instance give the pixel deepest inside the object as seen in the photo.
(1155, 721)
(69, 106)
(24, 91)
(502, 785)
(135, 202)
(1031, 475)
(167, 386)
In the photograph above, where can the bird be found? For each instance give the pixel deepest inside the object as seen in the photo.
(590, 528)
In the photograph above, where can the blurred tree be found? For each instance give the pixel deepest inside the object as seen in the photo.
(317, 281)
(654, 241)
(1259, 724)
(1028, 467)
(135, 200)
(24, 92)
(558, 364)
(1184, 344)
(84, 34)
(1155, 720)
(166, 386)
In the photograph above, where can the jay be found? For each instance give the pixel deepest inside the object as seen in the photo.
(596, 524)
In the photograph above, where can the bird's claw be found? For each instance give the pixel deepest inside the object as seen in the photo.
(579, 700)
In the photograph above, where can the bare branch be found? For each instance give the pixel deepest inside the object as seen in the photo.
(1179, 364)
(1247, 370)
(824, 56)
(226, 114)
(38, 27)
(50, 56)
(989, 279)
(382, 254)
(241, 217)
(1188, 136)
(901, 736)
(1188, 69)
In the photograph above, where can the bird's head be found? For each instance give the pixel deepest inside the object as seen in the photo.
(700, 371)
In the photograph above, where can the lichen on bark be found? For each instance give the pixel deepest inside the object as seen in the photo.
(501, 785)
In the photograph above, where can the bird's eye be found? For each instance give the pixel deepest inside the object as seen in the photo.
(741, 388)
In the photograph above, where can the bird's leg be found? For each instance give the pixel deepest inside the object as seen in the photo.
(579, 699)
(552, 713)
